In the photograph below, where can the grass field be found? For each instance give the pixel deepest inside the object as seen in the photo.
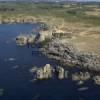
(69, 12)
(81, 19)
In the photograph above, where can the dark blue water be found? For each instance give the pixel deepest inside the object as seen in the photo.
(16, 81)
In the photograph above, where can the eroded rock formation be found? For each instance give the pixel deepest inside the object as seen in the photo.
(68, 55)
(48, 72)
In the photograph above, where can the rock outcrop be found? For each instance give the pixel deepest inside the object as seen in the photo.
(60, 72)
(67, 54)
(25, 39)
(33, 38)
(48, 72)
(81, 76)
(96, 80)
(44, 35)
(1, 92)
(21, 40)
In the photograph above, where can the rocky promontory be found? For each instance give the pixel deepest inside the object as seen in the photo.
(68, 55)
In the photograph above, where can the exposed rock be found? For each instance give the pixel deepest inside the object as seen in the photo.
(1, 92)
(21, 40)
(44, 73)
(43, 35)
(31, 39)
(25, 39)
(48, 72)
(60, 72)
(81, 76)
(40, 74)
(34, 69)
(61, 34)
(89, 61)
(96, 80)
(67, 54)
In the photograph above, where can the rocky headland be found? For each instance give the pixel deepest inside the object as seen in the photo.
(66, 53)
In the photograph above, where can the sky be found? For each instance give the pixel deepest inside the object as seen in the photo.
(52, 0)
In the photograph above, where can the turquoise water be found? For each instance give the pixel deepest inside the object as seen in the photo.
(16, 80)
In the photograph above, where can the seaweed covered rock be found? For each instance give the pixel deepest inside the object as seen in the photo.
(21, 40)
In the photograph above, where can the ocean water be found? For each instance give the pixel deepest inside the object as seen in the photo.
(16, 80)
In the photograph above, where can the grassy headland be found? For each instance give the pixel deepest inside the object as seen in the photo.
(74, 13)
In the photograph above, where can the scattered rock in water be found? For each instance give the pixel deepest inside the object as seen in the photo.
(45, 72)
(15, 67)
(21, 40)
(80, 82)
(60, 72)
(96, 80)
(25, 39)
(83, 89)
(34, 69)
(81, 76)
(12, 59)
(1, 92)
(48, 72)
(67, 54)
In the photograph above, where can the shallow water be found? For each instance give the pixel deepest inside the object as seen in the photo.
(16, 80)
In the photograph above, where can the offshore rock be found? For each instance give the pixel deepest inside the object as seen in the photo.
(1, 92)
(48, 72)
(44, 73)
(81, 76)
(96, 80)
(21, 40)
(60, 72)
(25, 39)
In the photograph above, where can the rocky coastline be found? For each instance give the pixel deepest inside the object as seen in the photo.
(68, 55)
(65, 53)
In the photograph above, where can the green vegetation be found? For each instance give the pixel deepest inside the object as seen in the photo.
(69, 12)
